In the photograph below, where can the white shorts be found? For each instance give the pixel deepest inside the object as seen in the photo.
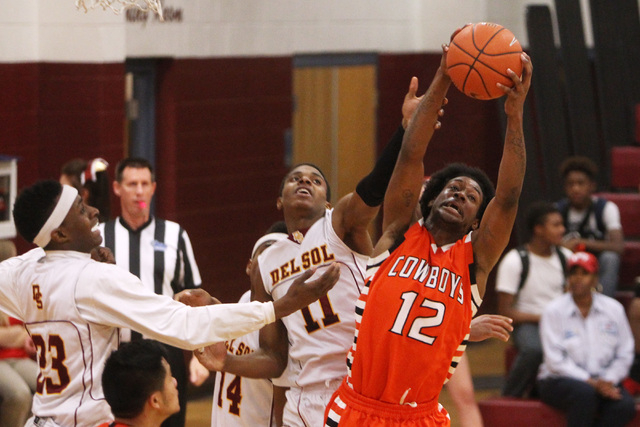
(305, 405)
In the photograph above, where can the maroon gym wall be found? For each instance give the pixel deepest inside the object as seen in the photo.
(220, 148)
(221, 126)
(53, 112)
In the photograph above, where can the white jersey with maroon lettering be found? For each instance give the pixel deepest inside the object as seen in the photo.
(73, 306)
(238, 401)
(321, 334)
(71, 352)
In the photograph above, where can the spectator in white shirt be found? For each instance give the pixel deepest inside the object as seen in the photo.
(588, 349)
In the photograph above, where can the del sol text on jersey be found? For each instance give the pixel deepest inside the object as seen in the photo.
(432, 276)
(310, 258)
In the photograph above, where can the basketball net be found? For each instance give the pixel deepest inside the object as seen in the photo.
(117, 6)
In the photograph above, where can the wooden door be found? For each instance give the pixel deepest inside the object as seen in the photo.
(334, 120)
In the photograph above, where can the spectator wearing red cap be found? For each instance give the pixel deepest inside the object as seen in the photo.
(588, 348)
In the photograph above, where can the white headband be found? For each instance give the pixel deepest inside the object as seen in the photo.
(67, 197)
(267, 238)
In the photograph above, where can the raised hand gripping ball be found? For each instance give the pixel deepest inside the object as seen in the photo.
(478, 58)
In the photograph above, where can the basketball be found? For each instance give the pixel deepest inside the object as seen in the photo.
(478, 58)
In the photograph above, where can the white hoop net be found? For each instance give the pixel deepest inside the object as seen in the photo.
(117, 6)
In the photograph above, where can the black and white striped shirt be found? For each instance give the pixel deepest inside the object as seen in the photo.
(159, 253)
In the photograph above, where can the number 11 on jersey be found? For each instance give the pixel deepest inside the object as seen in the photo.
(329, 316)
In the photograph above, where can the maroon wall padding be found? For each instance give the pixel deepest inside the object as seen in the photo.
(221, 125)
(53, 112)
(625, 173)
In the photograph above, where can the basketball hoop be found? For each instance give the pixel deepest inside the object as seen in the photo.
(117, 6)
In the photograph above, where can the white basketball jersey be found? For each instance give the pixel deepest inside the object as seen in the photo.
(321, 334)
(238, 401)
(71, 352)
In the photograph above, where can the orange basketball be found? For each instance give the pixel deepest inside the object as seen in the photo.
(478, 58)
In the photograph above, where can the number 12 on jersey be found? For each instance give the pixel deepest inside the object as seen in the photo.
(421, 322)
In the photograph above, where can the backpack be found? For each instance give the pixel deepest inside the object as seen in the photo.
(524, 257)
(597, 207)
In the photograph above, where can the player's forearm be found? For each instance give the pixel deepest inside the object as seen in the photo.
(512, 165)
(422, 126)
(163, 319)
(259, 364)
(372, 187)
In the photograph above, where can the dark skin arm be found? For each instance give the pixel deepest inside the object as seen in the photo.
(270, 360)
(494, 231)
(406, 182)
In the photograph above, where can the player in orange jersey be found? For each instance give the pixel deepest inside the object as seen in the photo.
(426, 280)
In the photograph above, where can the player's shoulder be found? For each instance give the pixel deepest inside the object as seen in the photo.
(105, 270)
(29, 256)
(276, 249)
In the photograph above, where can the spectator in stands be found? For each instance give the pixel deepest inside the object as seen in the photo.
(91, 180)
(528, 278)
(592, 223)
(588, 349)
(138, 385)
(18, 371)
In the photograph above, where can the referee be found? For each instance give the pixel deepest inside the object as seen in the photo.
(158, 251)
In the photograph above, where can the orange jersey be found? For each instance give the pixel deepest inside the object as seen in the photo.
(419, 302)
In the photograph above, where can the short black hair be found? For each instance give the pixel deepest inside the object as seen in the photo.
(580, 164)
(284, 180)
(33, 207)
(132, 374)
(136, 163)
(439, 180)
(537, 214)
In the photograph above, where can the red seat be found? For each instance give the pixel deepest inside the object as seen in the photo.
(514, 412)
(511, 411)
(625, 173)
(629, 205)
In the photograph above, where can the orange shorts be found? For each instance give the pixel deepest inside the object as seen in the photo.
(350, 409)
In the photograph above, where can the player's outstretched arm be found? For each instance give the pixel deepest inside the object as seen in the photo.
(407, 178)
(354, 213)
(495, 228)
(270, 359)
